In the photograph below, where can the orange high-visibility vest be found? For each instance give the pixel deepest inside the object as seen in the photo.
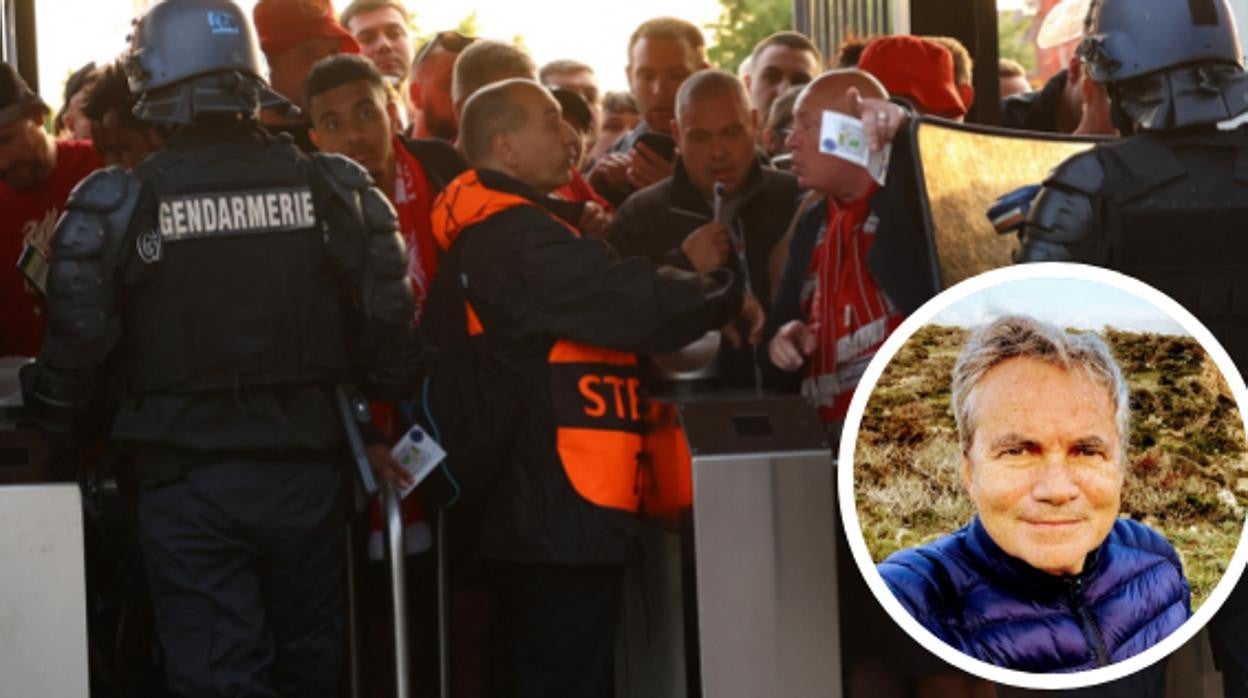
(594, 391)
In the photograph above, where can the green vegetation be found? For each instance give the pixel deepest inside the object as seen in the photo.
(1187, 471)
(1013, 41)
(742, 24)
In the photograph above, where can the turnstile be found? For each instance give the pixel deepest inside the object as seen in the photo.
(43, 598)
(740, 599)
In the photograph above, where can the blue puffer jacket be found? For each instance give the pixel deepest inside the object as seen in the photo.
(997, 608)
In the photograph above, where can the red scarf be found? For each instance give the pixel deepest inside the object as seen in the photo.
(844, 307)
(413, 200)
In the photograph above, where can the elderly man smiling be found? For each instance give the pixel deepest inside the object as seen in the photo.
(1046, 578)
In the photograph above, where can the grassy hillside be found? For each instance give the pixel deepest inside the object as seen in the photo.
(1187, 472)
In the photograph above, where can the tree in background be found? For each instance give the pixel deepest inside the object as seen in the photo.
(468, 26)
(742, 24)
(1016, 39)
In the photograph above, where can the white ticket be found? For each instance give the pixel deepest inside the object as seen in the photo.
(419, 454)
(844, 137)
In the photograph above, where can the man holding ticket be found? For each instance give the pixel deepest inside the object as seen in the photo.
(829, 316)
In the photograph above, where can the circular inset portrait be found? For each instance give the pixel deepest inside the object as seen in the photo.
(1049, 476)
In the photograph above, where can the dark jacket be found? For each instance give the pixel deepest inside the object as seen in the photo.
(997, 608)
(1035, 111)
(786, 304)
(656, 220)
(535, 285)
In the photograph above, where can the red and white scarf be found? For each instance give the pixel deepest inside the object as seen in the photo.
(844, 307)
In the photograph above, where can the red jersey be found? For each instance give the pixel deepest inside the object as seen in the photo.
(26, 226)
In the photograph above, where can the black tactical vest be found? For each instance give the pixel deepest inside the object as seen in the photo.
(1175, 213)
(228, 283)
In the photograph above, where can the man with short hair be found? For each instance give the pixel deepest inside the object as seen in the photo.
(777, 63)
(381, 28)
(779, 125)
(353, 114)
(662, 54)
(70, 123)
(1047, 577)
(484, 63)
(294, 35)
(565, 315)
(36, 175)
(579, 78)
(488, 62)
(674, 222)
(619, 116)
(1011, 78)
(430, 89)
(1054, 108)
(117, 134)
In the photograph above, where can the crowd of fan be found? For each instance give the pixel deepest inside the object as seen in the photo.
(693, 167)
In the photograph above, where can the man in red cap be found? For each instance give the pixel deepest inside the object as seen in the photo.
(294, 35)
(921, 72)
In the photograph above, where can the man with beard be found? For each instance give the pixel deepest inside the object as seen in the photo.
(36, 176)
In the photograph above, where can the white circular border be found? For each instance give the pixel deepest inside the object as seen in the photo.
(849, 510)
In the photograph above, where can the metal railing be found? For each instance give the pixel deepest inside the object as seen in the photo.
(829, 22)
(396, 557)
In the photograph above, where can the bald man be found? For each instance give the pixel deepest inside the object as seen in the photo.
(674, 221)
(564, 316)
(488, 62)
(826, 283)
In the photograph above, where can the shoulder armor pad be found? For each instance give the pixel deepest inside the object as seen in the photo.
(102, 191)
(1083, 173)
(1140, 164)
(97, 217)
(1059, 218)
(343, 171)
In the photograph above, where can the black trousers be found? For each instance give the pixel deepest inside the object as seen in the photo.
(554, 631)
(244, 562)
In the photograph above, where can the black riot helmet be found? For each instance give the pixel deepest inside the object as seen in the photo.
(1167, 64)
(1129, 38)
(190, 57)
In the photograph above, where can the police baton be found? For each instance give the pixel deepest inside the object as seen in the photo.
(354, 411)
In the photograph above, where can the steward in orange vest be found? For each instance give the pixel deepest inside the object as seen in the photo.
(565, 315)
(569, 314)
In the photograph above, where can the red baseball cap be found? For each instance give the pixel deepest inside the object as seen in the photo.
(913, 67)
(284, 24)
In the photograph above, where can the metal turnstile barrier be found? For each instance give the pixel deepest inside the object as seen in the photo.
(741, 599)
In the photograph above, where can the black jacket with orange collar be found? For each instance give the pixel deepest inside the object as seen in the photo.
(566, 314)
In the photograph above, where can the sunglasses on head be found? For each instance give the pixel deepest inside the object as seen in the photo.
(452, 41)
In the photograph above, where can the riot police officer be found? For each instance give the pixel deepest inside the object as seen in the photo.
(222, 290)
(1167, 203)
